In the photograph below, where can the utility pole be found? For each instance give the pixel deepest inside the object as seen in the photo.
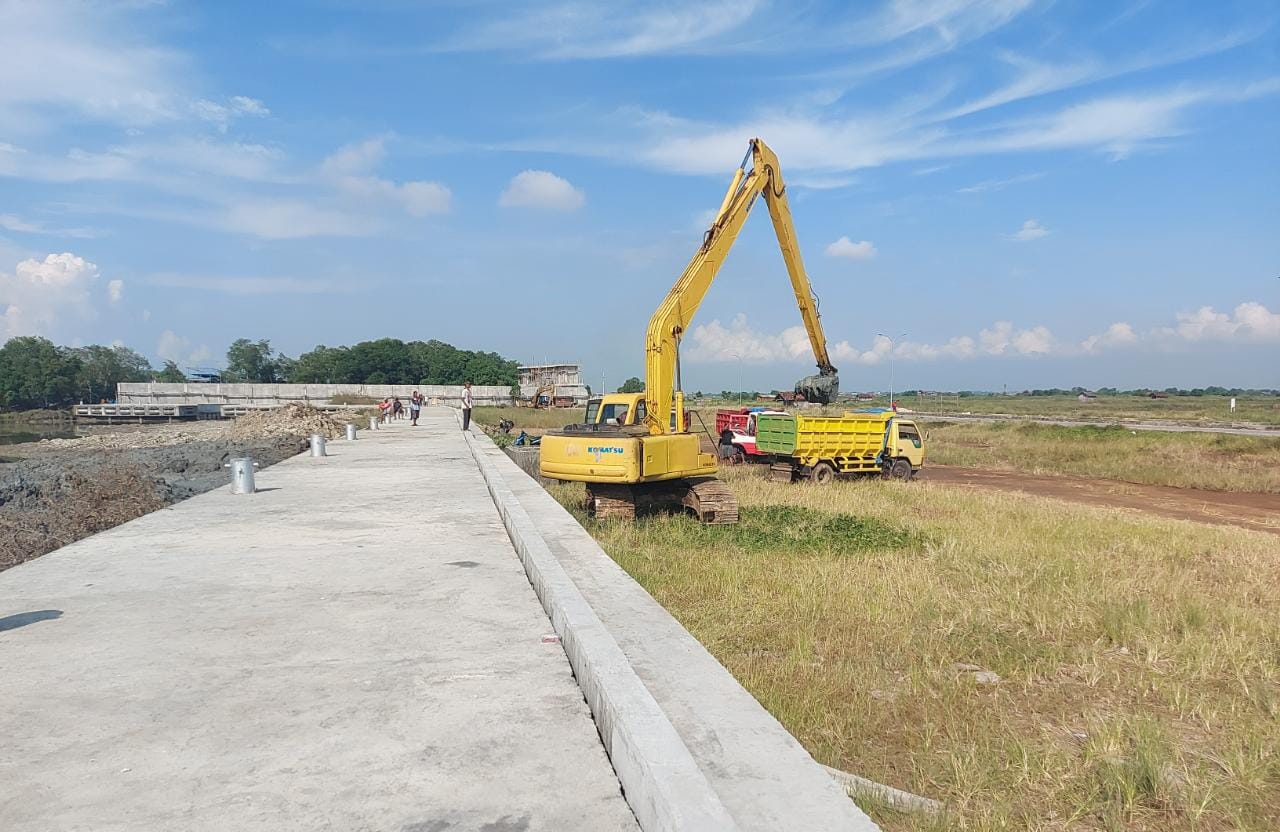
(892, 344)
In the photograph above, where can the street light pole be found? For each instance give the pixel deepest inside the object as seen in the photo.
(891, 346)
(735, 355)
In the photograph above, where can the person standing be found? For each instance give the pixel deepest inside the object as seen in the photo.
(466, 406)
(415, 407)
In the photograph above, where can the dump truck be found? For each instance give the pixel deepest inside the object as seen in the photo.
(821, 448)
(737, 432)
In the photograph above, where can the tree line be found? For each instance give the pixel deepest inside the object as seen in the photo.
(384, 361)
(35, 373)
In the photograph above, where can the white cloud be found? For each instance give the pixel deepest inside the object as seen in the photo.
(541, 189)
(115, 290)
(714, 342)
(40, 296)
(417, 198)
(173, 347)
(1031, 230)
(1117, 335)
(846, 248)
(356, 158)
(1249, 321)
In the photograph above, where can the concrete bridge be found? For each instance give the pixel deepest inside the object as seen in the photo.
(408, 634)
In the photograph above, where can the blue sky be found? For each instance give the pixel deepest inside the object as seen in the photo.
(1035, 193)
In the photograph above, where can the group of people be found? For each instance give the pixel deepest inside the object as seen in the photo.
(392, 408)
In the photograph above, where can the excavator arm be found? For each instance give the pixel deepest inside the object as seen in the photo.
(669, 323)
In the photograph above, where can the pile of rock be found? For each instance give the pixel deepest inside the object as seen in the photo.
(290, 420)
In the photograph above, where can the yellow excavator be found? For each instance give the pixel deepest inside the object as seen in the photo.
(636, 451)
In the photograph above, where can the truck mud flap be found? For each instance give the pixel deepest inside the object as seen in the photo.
(782, 472)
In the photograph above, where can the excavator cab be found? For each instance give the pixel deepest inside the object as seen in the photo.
(621, 409)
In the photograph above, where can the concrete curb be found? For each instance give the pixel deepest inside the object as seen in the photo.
(660, 779)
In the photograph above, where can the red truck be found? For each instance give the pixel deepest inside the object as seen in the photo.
(737, 432)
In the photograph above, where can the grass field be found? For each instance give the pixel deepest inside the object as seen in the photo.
(1191, 460)
(1138, 660)
(1263, 410)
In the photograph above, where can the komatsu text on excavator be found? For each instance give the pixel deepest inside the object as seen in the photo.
(637, 452)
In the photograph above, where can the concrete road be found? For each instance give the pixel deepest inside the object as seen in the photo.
(356, 647)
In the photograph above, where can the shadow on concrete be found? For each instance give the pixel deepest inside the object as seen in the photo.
(22, 619)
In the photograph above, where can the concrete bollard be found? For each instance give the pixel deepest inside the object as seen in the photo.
(351, 432)
(373, 423)
(317, 445)
(242, 475)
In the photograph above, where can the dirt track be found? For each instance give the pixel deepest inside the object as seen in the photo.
(1260, 512)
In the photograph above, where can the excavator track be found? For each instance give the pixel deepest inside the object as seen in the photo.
(708, 498)
(712, 501)
(605, 501)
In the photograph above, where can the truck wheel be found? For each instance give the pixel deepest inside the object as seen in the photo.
(901, 470)
(823, 473)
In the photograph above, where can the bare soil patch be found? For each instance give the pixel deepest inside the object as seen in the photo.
(1260, 512)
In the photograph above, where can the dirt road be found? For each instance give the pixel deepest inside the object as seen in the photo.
(1260, 512)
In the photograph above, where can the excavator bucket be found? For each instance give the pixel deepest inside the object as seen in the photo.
(821, 389)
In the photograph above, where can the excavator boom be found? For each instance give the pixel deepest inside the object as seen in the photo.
(669, 323)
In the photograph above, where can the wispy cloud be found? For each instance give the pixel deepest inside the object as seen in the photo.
(252, 285)
(570, 30)
(999, 184)
(12, 222)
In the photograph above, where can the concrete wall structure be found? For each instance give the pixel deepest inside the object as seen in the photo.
(567, 378)
(316, 394)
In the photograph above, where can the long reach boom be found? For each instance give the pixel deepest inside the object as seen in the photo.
(670, 321)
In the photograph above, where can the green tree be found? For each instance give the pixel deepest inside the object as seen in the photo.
(169, 373)
(251, 361)
(102, 368)
(632, 385)
(34, 373)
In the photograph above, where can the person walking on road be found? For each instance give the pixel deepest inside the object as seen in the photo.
(415, 407)
(466, 406)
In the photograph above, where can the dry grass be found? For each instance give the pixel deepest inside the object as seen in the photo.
(1189, 460)
(1139, 660)
(1263, 410)
(533, 420)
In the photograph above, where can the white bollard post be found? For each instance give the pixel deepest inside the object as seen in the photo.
(317, 445)
(373, 423)
(242, 475)
(351, 432)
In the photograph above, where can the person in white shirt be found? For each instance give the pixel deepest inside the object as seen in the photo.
(466, 406)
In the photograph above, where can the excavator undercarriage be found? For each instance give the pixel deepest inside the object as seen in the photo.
(707, 498)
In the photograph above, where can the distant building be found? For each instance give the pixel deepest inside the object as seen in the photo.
(565, 379)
